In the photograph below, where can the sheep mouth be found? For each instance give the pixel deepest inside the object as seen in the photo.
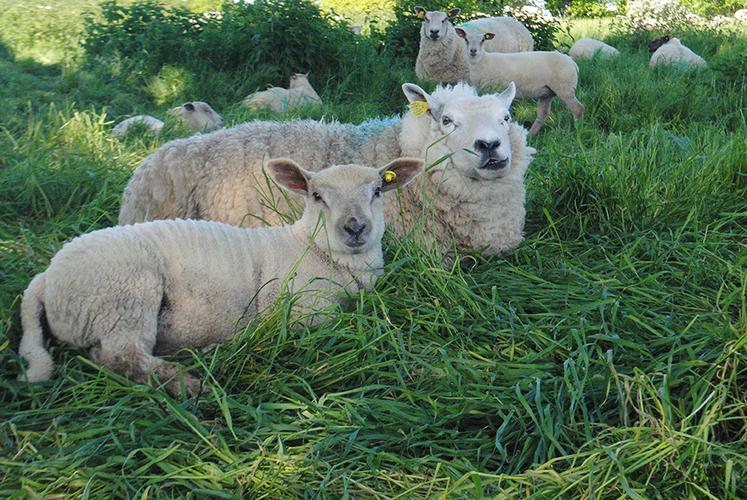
(356, 245)
(495, 164)
(434, 37)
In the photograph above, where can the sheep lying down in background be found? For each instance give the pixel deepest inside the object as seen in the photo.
(673, 52)
(473, 195)
(278, 99)
(129, 291)
(197, 115)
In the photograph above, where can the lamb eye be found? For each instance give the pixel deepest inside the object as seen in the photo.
(506, 118)
(316, 196)
(377, 192)
(427, 20)
(446, 120)
(443, 20)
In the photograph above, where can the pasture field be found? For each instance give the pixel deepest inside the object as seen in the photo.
(604, 358)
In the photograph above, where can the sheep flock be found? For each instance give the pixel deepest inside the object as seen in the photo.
(215, 227)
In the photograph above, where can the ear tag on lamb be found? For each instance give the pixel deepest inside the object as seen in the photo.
(421, 14)
(390, 176)
(419, 107)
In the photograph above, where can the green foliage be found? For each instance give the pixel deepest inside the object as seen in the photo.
(604, 358)
(715, 7)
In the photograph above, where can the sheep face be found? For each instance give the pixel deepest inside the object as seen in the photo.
(474, 41)
(299, 80)
(654, 45)
(345, 199)
(198, 115)
(471, 131)
(435, 23)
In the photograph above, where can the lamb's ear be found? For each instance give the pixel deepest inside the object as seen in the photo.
(399, 173)
(461, 33)
(507, 96)
(419, 11)
(289, 175)
(453, 13)
(189, 106)
(421, 102)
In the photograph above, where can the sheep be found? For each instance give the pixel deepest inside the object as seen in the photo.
(587, 48)
(741, 15)
(536, 74)
(673, 52)
(510, 34)
(279, 99)
(442, 57)
(655, 44)
(198, 116)
(128, 292)
(467, 200)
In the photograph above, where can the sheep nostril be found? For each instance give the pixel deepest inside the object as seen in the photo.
(353, 227)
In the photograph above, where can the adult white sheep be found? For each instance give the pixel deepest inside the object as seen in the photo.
(197, 115)
(587, 48)
(279, 99)
(442, 57)
(541, 75)
(474, 198)
(673, 52)
(129, 291)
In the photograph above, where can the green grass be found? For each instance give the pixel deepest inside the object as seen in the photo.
(604, 358)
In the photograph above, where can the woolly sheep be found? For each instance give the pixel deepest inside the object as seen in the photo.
(655, 44)
(198, 116)
(741, 15)
(586, 48)
(129, 291)
(279, 99)
(673, 52)
(510, 34)
(536, 74)
(443, 58)
(474, 198)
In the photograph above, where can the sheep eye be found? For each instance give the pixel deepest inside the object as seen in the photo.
(427, 20)
(443, 20)
(446, 120)
(316, 196)
(506, 118)
(377, 192)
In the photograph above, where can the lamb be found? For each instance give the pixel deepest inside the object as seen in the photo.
(587, 48)
(536, 74)
(471, 200)
(198, 116)
(655, 44)
(128, 292)
(278, 99)
(443, 58)
(673, 52)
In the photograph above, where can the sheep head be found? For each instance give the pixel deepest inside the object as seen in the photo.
(474, 41)
(436, 24)
(345, 200)
(462, 132)
(198, 115)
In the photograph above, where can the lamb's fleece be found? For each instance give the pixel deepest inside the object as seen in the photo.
(510, 34)
(220, 176)
(279, 99)
(129, 291)
(154, 124)
(586, 48)
(673, 52)
(441, 57)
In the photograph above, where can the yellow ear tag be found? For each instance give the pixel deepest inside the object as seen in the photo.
(390, 176)
(421, 14)
(419, 107)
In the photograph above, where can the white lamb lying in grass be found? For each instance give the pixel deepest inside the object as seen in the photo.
(197, 115)
(473, 195)
(542, 75)
(673, 52)
(586, 48)
(127, 291)
(278, 99)
(443, 58)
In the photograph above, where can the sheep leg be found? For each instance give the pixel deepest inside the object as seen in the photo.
(573, 104)
(543, 111)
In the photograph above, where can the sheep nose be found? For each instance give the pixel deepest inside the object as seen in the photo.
(353, 227)
(434, 33)
(473, 51)
(481, 145)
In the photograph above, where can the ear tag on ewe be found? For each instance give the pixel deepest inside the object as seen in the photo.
(390, 176)
(419, 107)
(421, 14)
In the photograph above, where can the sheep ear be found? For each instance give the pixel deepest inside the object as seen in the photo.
(420, 11)
(189, 106)
(427, 104)
(461, 33)
(453, 13)
(507, 96)
(399, 173)
(289, 175)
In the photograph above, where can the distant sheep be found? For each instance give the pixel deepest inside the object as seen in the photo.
(279, 99)
(442, 57)
(540, 75)
(127, 291)
(473, 198)
(673, 52)
(587, 48)
(655, 44)
(741, 15)
(197, 115)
